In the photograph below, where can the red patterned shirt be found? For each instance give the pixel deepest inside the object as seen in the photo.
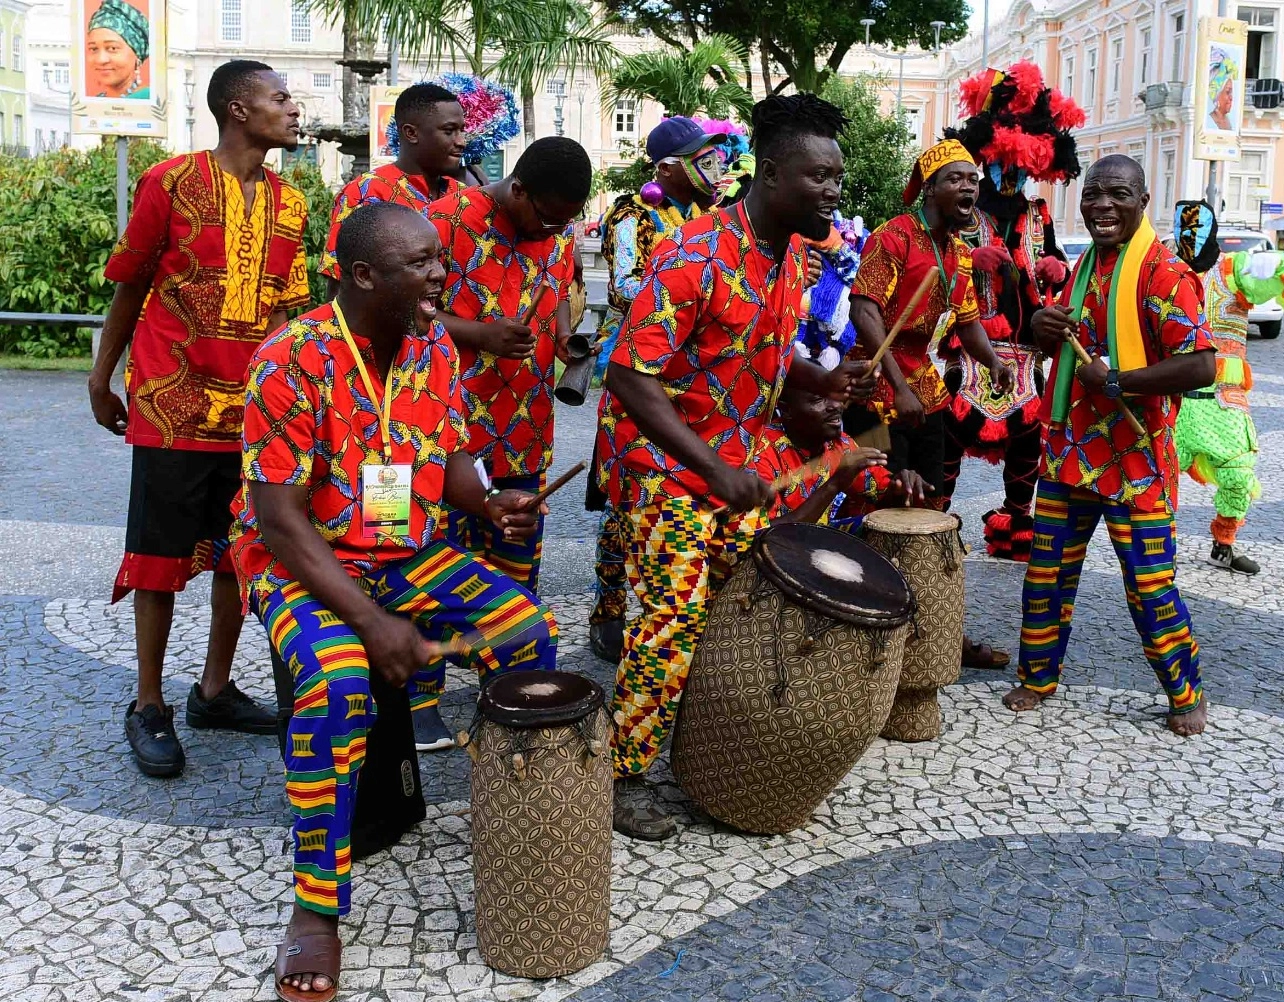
(893, 263)
(780, 457)
(1096, 449)
(388, 183)
(714, 322)
(493, 274)
(309, 420)
(218, 271)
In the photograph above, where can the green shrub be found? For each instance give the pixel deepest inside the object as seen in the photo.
(58, 227)
(627, 179)
(878, 150)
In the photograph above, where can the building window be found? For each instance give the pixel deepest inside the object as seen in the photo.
(1259, 61)
(229, 29)
(1059, 208)
(1116, 67)
(626, 117)
(1242, 182)
(19, 131)
(1067, 80)
(17, 53)
(300, 22)
(914, 122)
(1138, 152)
(321, 81)
(2, 51)
(1145, 56)
(56, 76)
(1177, 34)
(1090, 80)
(1167, 181)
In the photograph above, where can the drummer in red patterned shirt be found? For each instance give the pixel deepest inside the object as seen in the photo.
(430, 146)
(509, 259)
(702, 357)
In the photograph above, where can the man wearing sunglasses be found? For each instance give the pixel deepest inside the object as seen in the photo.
(510, 262)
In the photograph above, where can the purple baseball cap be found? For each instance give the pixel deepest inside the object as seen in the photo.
(678, 137)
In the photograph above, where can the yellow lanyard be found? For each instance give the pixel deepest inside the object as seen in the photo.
(384, 412)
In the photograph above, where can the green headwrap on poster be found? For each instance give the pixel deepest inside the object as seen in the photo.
(125, 20)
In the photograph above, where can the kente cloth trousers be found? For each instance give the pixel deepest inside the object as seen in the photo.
(677, 555)
(446, 592)
(518, 558)
(1065, 519)
(611, 580)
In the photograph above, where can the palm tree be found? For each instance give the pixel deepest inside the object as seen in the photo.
(536, 37)
(700, 79)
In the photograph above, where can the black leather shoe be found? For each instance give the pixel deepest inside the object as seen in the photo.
(606, 640)
(151, 737)
(230, 710)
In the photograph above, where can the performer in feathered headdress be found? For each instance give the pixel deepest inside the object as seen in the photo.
(1018, 130)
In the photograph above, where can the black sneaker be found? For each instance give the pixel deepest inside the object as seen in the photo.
(606, 640)
(431, 733)
(1224, 556)
(230, 710)
(151, 737)
(636, 812)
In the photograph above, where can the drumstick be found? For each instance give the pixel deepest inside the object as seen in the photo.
(788, 479)
(923, 287)
(536, 298)
(1081, 353)
(557, 485)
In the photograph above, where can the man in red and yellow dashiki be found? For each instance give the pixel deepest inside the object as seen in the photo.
(1139, 311)
(701, 361)
(894, 262)
(430, 145)
(210, 262)
(510, 263)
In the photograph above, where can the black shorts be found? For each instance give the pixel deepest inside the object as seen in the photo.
(920, 449)
(179, 498)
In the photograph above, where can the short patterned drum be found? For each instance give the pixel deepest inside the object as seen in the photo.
(541, 818)
(794, 677)
(925, 545)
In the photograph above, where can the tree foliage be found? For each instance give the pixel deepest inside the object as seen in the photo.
(698, 79)
(58, 227)
(627, 178)
(807, 40)
(878, 150)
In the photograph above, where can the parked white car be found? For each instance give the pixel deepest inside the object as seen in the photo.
(1073, 248)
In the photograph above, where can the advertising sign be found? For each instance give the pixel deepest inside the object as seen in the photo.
(118, 68)
(1218, 97)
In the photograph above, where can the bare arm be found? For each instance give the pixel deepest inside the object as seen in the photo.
(644, 399)
(1168, 377)
(118, 330)
(977, 344)
(867, 318)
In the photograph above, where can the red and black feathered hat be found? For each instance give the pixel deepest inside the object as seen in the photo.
(1016, 121)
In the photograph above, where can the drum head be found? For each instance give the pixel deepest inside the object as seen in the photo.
(539, 698)
(910, 521)
(834, 573)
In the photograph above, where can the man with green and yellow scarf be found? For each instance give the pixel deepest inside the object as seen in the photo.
(1138, 311)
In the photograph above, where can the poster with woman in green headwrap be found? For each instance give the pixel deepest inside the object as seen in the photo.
(118, 77)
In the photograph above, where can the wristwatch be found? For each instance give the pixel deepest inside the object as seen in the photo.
(491, 494)
(1112, 389)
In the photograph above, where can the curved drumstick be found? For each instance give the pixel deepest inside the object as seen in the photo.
(557, 485)
(1081, 353)
(536, 298)
(924, 286)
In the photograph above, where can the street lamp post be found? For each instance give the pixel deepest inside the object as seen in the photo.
(189, 89)
(900, 57)
(558, 89)
(581, 88)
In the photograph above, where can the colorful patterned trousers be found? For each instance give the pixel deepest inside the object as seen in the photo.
(519, 559)
(447, 592)
(612, 581)
(677, 556)
(1145, 543)
(1218, 445)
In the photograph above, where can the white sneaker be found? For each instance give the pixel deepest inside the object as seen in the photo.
(431, 733)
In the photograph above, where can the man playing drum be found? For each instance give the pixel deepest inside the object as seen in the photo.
(354, 439)
(691, 385)
(1139, 311)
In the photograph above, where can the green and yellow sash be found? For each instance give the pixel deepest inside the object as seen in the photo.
(1124, 331)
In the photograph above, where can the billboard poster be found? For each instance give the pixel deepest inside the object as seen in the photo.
(383, 101)
(1219, 87)
(118, 57)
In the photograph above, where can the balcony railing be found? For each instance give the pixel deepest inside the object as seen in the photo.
(1264, 93)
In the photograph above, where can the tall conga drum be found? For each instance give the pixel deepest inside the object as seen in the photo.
(926, 547)
(794, 677)
(541, 820)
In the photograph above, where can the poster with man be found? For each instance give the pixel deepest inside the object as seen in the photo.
(1219, 87)
(118, 67)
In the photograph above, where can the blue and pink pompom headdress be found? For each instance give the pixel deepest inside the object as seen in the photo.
(490, 115)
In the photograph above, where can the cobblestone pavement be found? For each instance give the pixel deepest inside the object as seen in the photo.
(1078, 852)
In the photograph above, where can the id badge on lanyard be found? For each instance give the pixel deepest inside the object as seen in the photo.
(386, 494)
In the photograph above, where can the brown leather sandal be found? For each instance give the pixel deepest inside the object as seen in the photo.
(984, 656)
(317, 955)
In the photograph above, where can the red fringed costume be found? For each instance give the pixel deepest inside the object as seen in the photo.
(1018, 130)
